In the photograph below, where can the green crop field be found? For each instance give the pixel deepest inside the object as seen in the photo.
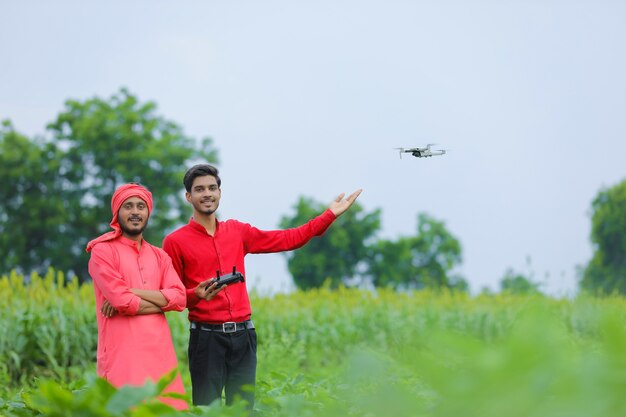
(343, 352)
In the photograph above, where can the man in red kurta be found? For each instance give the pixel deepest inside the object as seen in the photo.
(222, 341)
(134, 283)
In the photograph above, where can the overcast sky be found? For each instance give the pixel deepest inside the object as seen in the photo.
(310, 98)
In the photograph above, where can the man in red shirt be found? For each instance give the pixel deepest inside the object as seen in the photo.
(222, 341)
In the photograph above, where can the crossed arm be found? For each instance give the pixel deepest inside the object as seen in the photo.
(152, 302)
(119, 298)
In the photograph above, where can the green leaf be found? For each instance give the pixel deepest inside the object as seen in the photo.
(129, 396)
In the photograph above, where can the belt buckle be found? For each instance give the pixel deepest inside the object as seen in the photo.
(229, 327)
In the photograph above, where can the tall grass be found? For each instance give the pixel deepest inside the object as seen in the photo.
(47, 327)
(348, 352)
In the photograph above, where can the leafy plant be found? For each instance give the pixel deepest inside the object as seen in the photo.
(350, 352)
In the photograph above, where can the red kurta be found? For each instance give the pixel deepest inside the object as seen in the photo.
(133, 348)
(197, 256)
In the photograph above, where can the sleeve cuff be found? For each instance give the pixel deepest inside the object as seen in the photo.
(326, 219)
(175, 300)
(133, 306)
(192, 298)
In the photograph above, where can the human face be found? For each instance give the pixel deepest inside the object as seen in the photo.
(205, 195)
(133, 217)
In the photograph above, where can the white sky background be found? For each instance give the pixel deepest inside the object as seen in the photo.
(310, 98)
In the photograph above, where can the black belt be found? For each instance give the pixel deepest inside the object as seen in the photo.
(228, 327)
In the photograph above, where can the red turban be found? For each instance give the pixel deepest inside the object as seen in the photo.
(123, 193)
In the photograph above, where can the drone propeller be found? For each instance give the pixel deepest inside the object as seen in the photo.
(401, 150)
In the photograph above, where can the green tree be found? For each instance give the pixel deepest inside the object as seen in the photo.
(92, 147)
(424, 260)
(32, 208)
(516, 283)
(606, 271)
(335, 256)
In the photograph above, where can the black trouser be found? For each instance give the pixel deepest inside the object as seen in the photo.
(219, 360)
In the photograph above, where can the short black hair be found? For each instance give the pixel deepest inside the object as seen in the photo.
(200, 170)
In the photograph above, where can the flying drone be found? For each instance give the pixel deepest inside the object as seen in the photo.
(422, 152)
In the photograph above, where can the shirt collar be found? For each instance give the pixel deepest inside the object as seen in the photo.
(129, 242)
(197, 226)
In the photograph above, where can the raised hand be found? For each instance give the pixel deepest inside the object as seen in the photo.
(340, 205)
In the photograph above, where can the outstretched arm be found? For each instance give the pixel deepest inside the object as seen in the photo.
(267, 241)
(340, 205)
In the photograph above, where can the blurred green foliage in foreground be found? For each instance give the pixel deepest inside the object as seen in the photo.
(342, 352)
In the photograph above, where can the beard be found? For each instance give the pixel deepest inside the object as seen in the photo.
(132, 232)
(207, 211)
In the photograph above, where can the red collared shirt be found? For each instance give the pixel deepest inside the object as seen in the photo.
(197, 256)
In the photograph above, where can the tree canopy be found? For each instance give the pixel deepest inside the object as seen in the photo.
(56, 191)
(423, 260)
(32, 209)
(349, 253)
(606, 271)
(338, 253)
(517, 283)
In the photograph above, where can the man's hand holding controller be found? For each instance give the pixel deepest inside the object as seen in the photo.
(206, 290)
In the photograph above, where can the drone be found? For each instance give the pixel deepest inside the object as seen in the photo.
(422, 152)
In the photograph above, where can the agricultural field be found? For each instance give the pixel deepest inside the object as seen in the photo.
(344, 352)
